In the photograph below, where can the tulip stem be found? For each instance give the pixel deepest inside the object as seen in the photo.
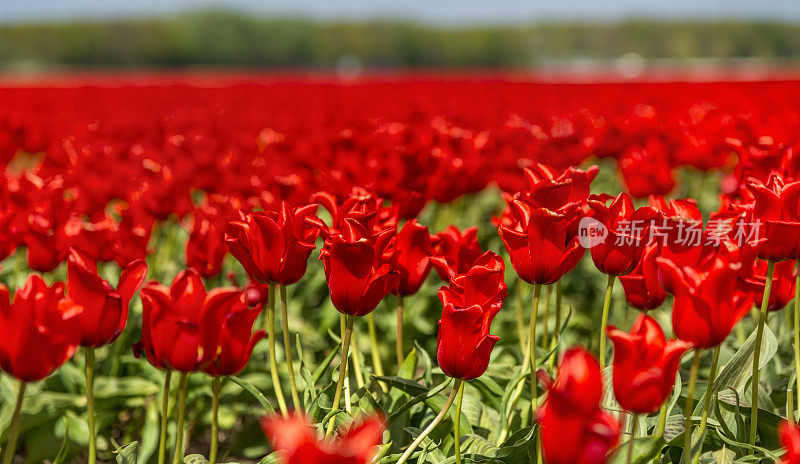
(89, 353)
(712, 376)
(399, 338)
(757, 353)
(162, 439)
(216, 385)
(183, 385)
(532, 348)
(337, 397)
(512, 404)
(546, 318)
(604, 323)
(790, 405)
(457, 422)
(662, 425)
(521, 320)
(343, 326)
(287, 348)
(410, 450)
(377, 364)
(797, 335)
(13, 429)
(687, 410)
(273, 361)
(356, 354)
(558, 306)
(634, 426)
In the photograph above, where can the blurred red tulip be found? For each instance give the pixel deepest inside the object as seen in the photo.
(411, 257)
(454, 251)
(776, 207)
(645, 364)
(790, 437)
(105, 310)
(470, 304)
(38, 331)
(783, 283)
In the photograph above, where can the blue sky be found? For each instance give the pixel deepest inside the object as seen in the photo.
(441, 12)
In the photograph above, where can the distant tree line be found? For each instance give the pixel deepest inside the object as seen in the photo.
(217, 38)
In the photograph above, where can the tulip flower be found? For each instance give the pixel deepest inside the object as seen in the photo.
(783, 283)
(206, 248)
(470, 304)
(105, 312)
(38, 333)
(573, 427)
(790, 437)
(411, 260)
(645, 364)
(454, 251)
(181, 331)
(776, 207)
(642, 287)
(295, 438)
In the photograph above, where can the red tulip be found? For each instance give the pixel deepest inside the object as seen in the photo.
(574, 429)
(642, 287)
(628, 233)
(206, 248)
(783, 283)
(777, 208)
(274, 246)
(237, 339)
(645, 364)
(470, 304)
(790, 437)
(298, 443)
(708, 301)
(357, 269)
(411, 257)
(257, 294)
(38, 331)
(105, 310)
(181, 324)
(454, 251)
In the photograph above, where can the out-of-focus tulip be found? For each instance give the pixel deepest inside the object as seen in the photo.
(470, 304)
(411, 257)
(206, 248)
(776, 207)
(642, 287)
(455, 251)
(274, 246)
(105, 310)
(790, 437)
(296, 439)
(628, 233)
(783, 283)
(574, 429)
(181, 324)
(237, 339)
(645, 364)
(38, 331)
(357, 268)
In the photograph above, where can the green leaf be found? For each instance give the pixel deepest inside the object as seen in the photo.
(150, 433)
(127, 454)
(195, 459)
(61, 457)
(740, 367)
(644, 450)
(724, 456)
(253, 391)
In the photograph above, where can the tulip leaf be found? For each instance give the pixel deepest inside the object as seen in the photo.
(61, 457)
(127, 454)
(416, 400)
(272, 458)
(195, 459)
(739, 368)
(644, 450)
(253, 391)
(150, 432)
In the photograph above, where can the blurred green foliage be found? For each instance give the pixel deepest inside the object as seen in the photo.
(218, 38)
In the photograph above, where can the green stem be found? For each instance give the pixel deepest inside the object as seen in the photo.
(790, 405)
(287, 348)
(410, 450)
(662, 425)
(347, 395)
(687, 410)
(634, 426)
(337, 397)
(273, 361)
(546, 318)
(377, 364)
(179, 431)
(558, 305)
(216, 385)
(162, 439)
(457, 422)
(604, 323)
(757, 353)
(532, 347)
(399, 338)
(356, 354)
(521, 319)
(512, 404)
(89, 353)
(13, 429)
(712, 376)
(797, 334)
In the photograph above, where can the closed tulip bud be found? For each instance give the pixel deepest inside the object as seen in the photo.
(105, 310)
(642, 287)
(181, 325)
(469, 306)
(645, 364)
(573, 427)
(274, 246)
(237, 339)
(38, 330)
(297, 441)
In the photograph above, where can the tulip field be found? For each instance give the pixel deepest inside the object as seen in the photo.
(421, 268)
